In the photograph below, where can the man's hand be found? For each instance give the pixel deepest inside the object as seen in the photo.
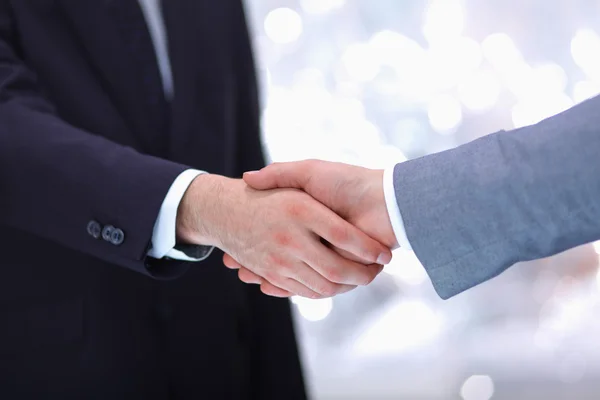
(277, 236)
(354, 193)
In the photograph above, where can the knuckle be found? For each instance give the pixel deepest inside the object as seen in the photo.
(369, 248)
(282, 238)
(271, 290)
(326, 289)
(273, 166)
(285, 240)
(369, 274)
(339, 234)
(272, 277)
(277, 169)
(329, 290)
(296, 209)
(276, 260)
(312, 162)
(334, 274)
(303, 292)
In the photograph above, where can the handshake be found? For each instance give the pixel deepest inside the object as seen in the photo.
(317, 229)
(310, 228)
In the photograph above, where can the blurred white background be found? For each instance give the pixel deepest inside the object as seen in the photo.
(375, 82)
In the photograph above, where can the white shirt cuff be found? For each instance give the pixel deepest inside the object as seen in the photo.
(164, 234)
(393, 209)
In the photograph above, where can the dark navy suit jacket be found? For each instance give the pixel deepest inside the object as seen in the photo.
(80, 141)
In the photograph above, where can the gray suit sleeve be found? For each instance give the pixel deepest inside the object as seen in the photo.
(473, 211)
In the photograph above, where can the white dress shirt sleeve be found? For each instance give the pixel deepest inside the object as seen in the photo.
(164, 234)
(393, 209)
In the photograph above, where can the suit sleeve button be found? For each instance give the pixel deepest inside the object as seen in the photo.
(94, 229)
(107, 232)
(117, 237)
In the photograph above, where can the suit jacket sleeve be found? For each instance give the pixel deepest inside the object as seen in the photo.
(55, 178)
(472, 212)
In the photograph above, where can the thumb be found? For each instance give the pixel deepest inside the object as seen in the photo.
(279, 175)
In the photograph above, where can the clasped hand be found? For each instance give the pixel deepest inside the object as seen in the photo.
(299, 204)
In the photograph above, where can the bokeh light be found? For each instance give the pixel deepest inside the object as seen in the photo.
(320, 6)
(313, 310)
(477, 387)
(376, 84)
(445, 113)
(480, 91)
(283, 25)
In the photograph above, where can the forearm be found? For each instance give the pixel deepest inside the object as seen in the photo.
(55, 179)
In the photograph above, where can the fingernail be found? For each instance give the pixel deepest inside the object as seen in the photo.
(384, 258)
(250, 172)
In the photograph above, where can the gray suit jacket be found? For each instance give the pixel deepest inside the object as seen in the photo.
(473, 211)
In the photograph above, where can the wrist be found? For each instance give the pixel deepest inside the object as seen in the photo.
(200, 210)
(392, 211)
(386, 233)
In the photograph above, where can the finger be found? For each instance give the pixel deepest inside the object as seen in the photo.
(249, 277)
(345, 254)
(230, 262)
(327, 224)
(318, 283)
(377, 269)
(281, 175)
(300, 279)
(272, 290)
(268, 288)
(345, 236)
(337, 269)
(298, 289)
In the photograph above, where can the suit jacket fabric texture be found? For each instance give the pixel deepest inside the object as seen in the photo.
(474, 211)
(86, 143)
